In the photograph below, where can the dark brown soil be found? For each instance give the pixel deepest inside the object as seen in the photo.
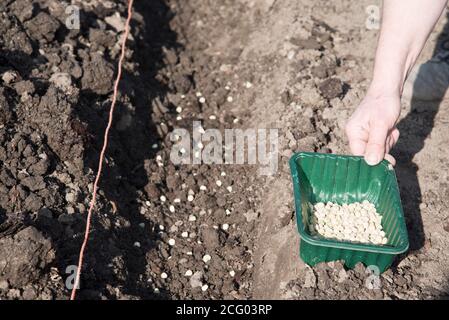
(54, 100)
(307, 65)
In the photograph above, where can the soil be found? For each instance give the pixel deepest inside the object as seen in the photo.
(298, 66)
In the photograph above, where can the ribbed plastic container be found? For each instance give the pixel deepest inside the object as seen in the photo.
(346, 179)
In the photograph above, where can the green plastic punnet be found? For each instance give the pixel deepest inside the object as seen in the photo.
(346, 179)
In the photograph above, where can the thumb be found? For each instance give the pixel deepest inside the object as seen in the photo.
(375, 149)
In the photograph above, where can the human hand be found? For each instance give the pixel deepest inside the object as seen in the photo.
(371, 129)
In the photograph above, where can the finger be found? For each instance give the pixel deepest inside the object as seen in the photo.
(392, 139)
(357, 146)
(395, 134)
(358, 137)
(375, 149)
(390, 143)
(390, 159)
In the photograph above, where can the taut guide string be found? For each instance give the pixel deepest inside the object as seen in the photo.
(103, 151)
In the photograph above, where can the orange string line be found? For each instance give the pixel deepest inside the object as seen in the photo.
(103, 150)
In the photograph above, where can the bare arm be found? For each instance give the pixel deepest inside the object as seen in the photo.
(406, 25)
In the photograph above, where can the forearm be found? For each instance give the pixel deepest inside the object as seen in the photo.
(406, 25)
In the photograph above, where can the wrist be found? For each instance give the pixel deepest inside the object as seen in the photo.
(391, 70)
(382, 89)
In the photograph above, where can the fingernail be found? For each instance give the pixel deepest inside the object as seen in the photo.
(372, 159)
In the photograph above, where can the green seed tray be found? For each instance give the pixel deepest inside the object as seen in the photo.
(346, 179)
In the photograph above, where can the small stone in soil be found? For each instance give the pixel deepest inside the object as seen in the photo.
(206, 258)
(171, 242)
(195, 279)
